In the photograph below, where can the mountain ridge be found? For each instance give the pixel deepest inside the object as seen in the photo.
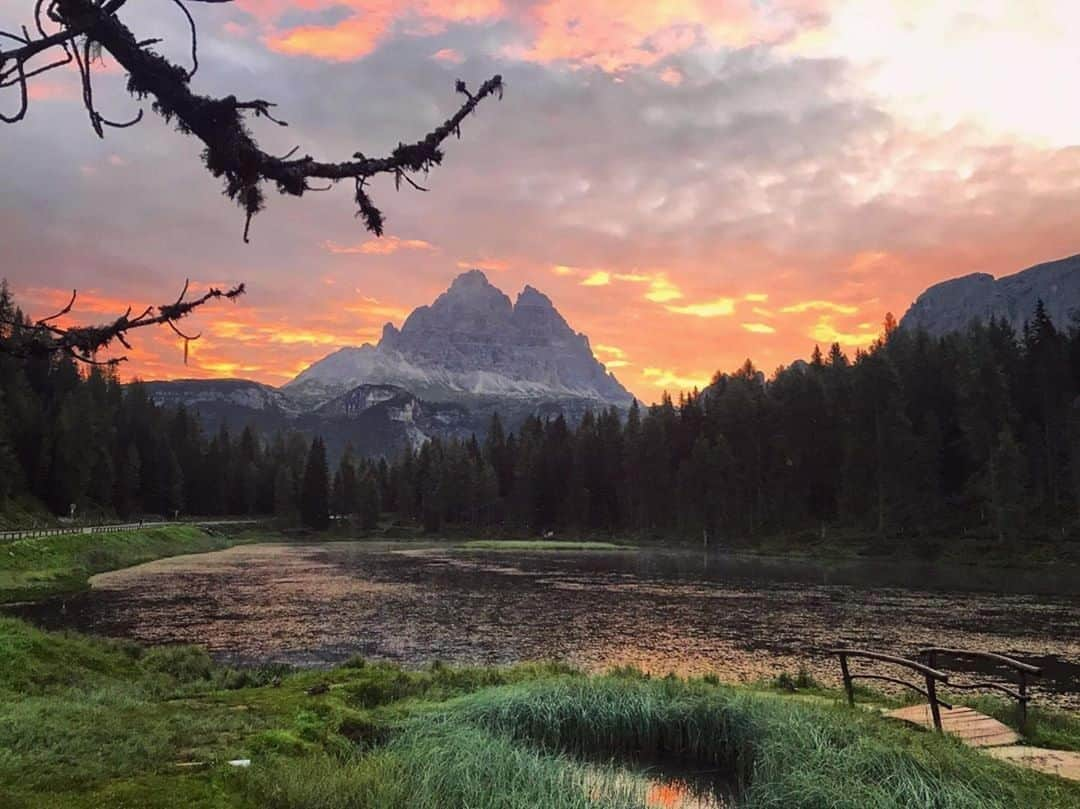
(454, 363)
(470, 341)
(952, 304)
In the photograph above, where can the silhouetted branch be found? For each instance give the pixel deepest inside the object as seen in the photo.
(231, 152)
(44, 338)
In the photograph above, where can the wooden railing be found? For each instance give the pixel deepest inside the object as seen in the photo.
(931, 677)
(1023, 672)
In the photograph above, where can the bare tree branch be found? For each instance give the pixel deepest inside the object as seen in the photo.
(231, 152)
(44, 338)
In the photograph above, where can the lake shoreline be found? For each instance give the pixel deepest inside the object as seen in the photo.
(158, 726)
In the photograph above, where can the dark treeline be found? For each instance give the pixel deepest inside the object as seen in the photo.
(72, 436)
(975, 433)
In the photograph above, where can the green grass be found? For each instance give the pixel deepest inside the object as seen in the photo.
(90, 723)
(538, 545)
(94, 723)
(46, 566)
(1045, 727)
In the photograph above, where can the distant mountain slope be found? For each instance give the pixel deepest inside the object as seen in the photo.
(953, 304)
(452, 365)
(470, 344)
(236, 402)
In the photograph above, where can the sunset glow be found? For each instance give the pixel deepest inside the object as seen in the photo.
(692, 182)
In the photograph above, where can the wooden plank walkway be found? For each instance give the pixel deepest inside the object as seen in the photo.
(995, 738)
(972, 727)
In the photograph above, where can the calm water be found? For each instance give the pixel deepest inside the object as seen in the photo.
(681, 611)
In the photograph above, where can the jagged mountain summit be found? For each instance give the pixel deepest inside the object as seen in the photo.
(448, 368)
(952, 305)
(472, 344)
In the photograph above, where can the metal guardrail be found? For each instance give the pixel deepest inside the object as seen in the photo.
(33, 533)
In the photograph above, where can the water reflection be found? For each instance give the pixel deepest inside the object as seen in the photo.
(660, 784)
(679, 794)
(743, 618)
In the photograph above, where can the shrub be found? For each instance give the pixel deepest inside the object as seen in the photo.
(185, 664)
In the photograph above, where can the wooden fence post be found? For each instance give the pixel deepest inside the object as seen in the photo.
(931, 692)
(847, 680)
(1023, 699)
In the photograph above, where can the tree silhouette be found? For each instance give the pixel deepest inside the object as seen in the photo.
(83, 28)
(67, 32)
(21, 337)
(315, 488)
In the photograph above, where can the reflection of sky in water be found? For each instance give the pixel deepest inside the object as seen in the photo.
(742, 618)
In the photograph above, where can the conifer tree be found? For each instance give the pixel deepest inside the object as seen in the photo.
(315, 488)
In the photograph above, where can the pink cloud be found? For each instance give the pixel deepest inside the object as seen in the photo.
(367, 26)
(448, 55)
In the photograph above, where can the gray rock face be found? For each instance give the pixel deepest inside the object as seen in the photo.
(471, 343)
(453, 364)
(952, 305)
(223, 393)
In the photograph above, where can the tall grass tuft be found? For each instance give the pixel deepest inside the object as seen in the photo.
(783, 753)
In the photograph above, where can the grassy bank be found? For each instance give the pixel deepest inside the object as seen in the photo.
(89, 723)
(46, 566)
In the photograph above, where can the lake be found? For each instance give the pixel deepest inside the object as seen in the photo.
(682, 611)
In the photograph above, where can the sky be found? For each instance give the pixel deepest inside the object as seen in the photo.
(692, 182)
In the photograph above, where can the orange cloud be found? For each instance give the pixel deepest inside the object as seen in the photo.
(807, 306)
(383, 246)
(759, 328)
(370, 23)
(616, 36)
(614, 351)
(349, 39)
(672, 76)
(662, 379)
(488, 265)
(375, 308)
(44, 301)
(721, 307)
(448, 55)
(661, 290)
(596, 33)
(825, 331)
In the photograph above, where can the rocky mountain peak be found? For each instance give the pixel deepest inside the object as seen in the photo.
(472, 288)
(471, 341)
(951, 305)
(531, 296)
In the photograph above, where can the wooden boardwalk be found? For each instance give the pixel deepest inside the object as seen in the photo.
(995, 738)
(973, 728)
